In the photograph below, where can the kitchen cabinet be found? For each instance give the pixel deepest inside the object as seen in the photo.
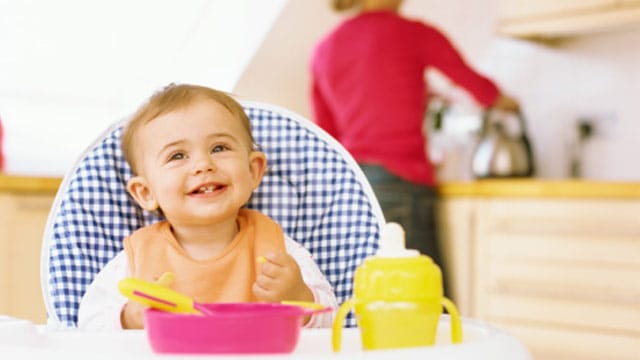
(562, 18)
(24, 208)
(559, 272)
(456, 227)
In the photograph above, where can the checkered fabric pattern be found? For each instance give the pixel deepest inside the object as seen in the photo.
(312, 188)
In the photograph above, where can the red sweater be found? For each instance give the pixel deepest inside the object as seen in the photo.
(369, 89)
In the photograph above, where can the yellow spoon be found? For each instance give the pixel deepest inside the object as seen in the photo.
(159, 296)
(307, 305)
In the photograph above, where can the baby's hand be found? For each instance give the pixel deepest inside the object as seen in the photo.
(131, 315)
(279, 279)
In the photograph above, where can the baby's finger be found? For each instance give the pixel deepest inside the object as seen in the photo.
(276, 257)
(258, 291)
(271, 270)
(266, 282)
(261, 293)
(166, 279)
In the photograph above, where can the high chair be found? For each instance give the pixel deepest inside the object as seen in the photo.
(313, 188)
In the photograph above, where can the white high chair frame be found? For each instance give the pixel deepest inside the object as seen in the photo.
(313, 188)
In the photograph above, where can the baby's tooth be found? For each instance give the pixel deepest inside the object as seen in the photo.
(206, 189)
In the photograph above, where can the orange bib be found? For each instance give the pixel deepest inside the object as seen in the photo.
(228, 277)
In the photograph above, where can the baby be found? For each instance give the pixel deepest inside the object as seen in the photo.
(194, 160)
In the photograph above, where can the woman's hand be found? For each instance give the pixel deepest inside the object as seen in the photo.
(506, 103)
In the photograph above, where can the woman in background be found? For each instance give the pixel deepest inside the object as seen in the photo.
(369, 91)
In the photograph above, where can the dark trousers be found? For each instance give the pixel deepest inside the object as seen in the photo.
(411, 205)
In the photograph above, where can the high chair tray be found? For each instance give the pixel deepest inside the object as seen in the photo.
(20, 339)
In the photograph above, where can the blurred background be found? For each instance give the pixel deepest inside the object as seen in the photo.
(69, 68)
(552, 260)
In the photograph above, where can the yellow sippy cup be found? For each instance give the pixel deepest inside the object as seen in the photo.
(397, 298)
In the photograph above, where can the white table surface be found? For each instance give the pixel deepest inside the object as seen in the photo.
(20, 339)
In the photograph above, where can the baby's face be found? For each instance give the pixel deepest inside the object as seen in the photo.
(197, 163)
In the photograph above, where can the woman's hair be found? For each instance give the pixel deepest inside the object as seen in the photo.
(171, 98)
(342, 5)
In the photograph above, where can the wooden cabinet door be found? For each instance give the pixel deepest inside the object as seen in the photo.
(561, 274)
(22, 222)
(455, 227)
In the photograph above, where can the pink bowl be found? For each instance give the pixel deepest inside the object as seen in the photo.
(232, 328)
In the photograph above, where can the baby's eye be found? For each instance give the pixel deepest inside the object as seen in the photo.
(177, 156)
(219, 148)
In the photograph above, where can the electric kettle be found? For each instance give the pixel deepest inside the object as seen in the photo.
(500, 154)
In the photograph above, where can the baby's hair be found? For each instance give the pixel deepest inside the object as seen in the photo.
(176, 97)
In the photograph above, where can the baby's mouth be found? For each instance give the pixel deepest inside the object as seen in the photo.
(205, 189)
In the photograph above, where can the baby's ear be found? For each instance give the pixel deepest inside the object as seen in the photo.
(257, 166)
(139, 189)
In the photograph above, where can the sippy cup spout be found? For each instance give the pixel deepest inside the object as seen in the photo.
(392, 242)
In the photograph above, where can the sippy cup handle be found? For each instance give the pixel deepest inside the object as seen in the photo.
(456, 325)
(336, 334)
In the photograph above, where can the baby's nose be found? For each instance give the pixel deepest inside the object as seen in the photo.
(204, 164)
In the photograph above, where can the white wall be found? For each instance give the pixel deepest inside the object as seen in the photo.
(278, 71)
(69, 68)
(596, 76)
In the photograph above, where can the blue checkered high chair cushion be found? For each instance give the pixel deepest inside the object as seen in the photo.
(312, 188)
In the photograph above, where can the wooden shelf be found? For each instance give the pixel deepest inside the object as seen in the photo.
(546, 19)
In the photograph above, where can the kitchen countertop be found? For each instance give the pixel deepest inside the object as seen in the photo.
(29, 184)
(541, 188)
